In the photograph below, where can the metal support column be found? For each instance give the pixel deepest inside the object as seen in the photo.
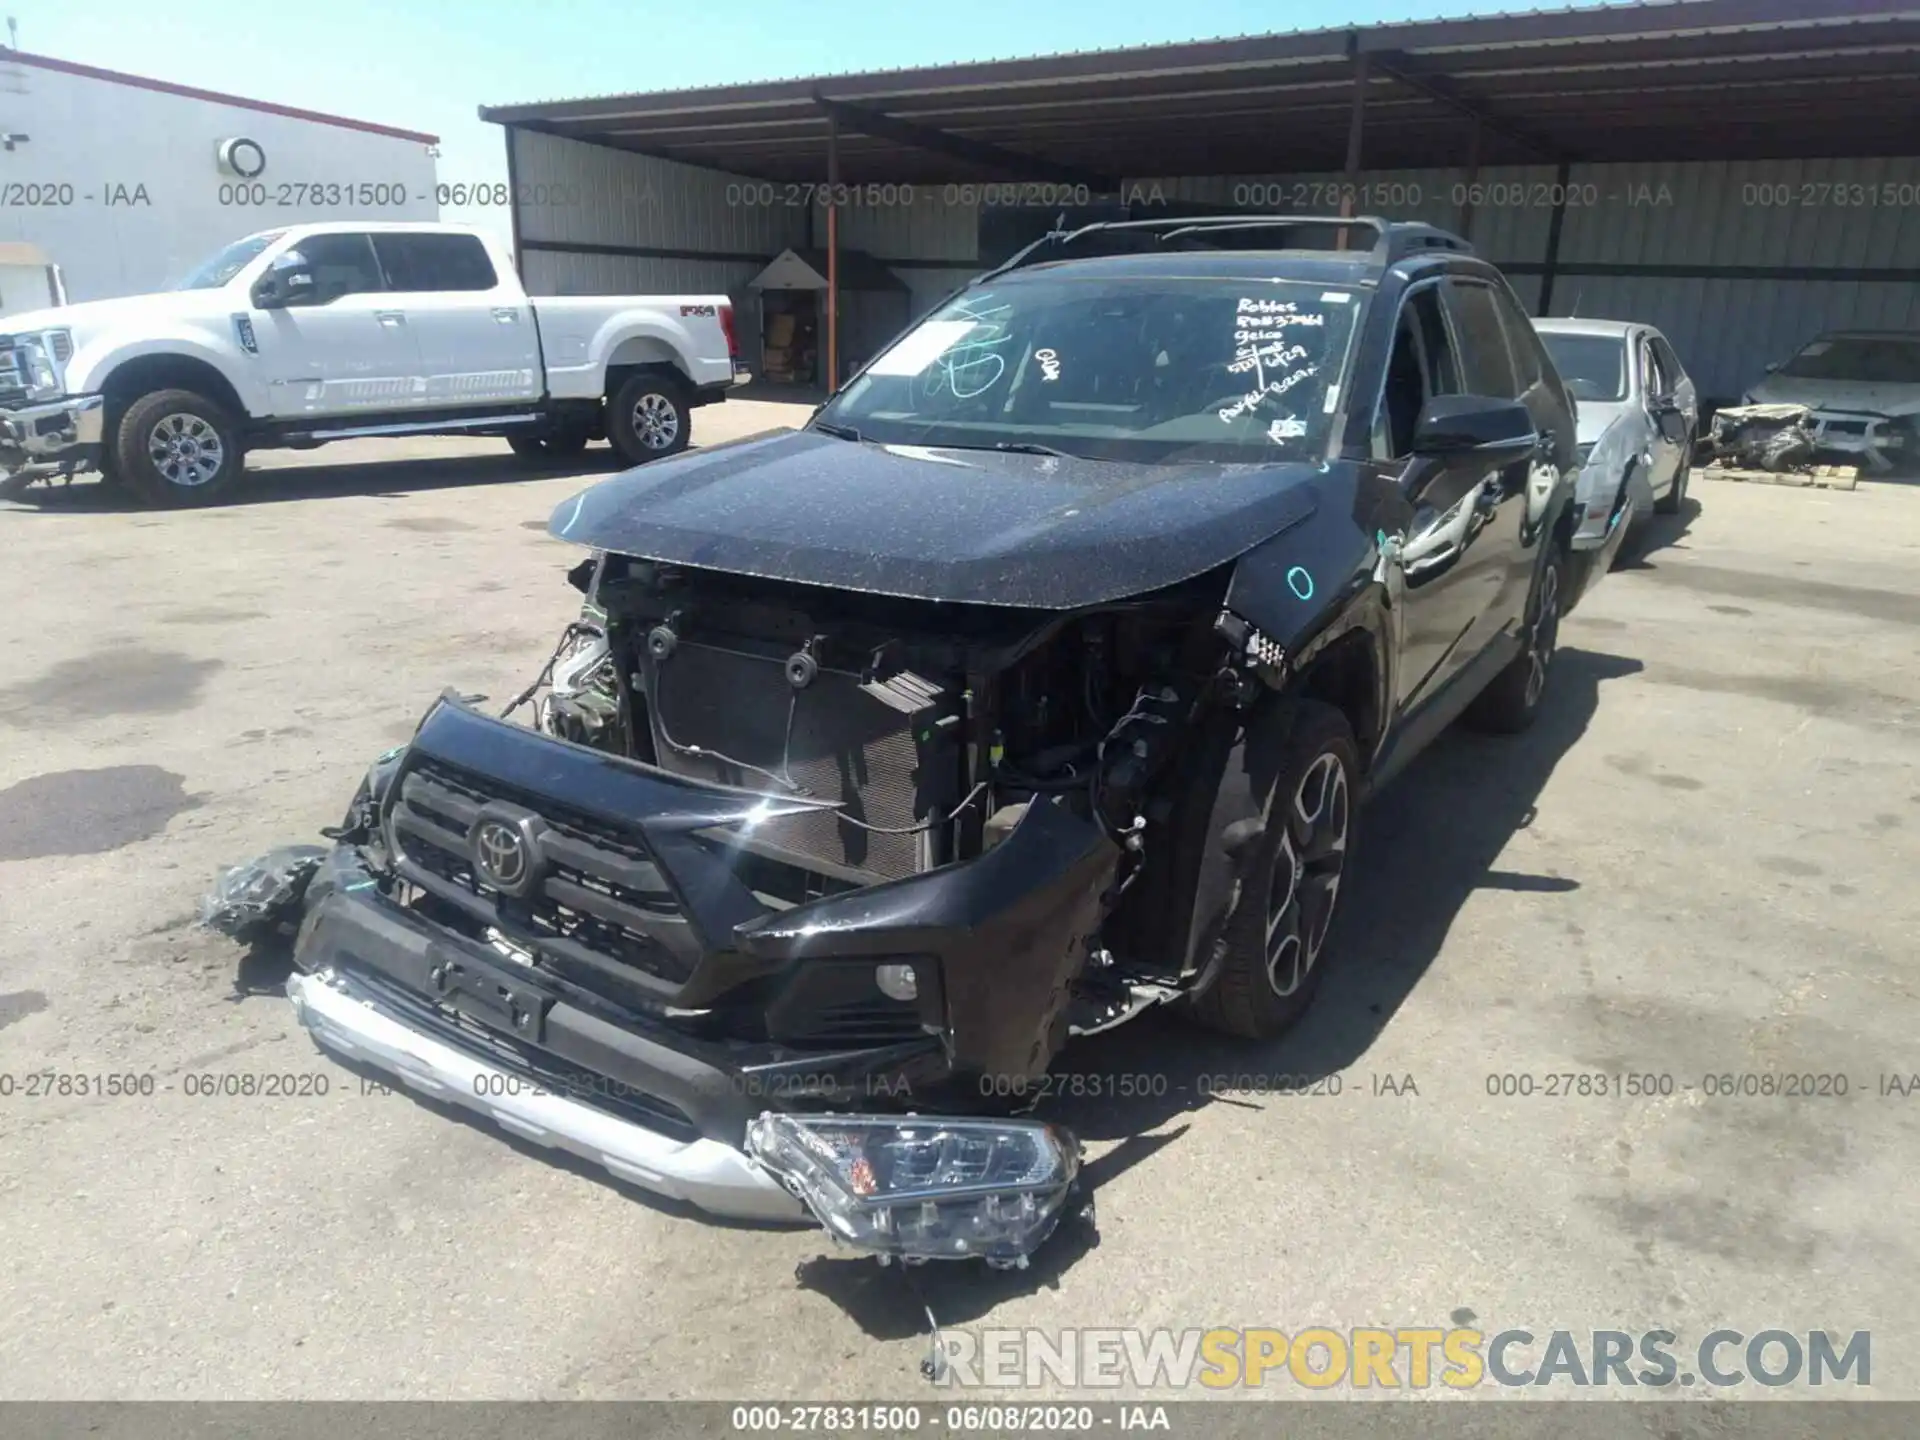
(1473, 179)
(1356, 124)
(833, 254)
(1560, 179)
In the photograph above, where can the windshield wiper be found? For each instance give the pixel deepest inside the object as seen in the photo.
(1027, 447)
(1013, 447)
(839, 432)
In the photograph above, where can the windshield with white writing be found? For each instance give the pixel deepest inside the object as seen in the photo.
(1154, 369)
(214, 273)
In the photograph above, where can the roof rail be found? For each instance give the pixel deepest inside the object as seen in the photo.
(1394, 240)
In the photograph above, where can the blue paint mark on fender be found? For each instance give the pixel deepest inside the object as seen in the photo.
(1300, 582)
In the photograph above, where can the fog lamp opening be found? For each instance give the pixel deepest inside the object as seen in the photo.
(917, 1187)
(897, 982)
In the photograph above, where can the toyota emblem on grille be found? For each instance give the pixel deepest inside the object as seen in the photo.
(500, 854)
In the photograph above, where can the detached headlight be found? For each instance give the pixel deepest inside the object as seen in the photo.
(924, 1187)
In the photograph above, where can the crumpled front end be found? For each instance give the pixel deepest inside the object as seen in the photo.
(578, 946)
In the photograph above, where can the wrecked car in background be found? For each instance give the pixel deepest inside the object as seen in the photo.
(1637, 412)
(1036, 682)
(1863, 389)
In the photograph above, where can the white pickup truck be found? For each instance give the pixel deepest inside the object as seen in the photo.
(298, 336)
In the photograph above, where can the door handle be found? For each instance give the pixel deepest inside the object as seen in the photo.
(506, 315)
(390, 318)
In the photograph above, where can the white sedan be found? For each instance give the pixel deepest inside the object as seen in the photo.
(1637, 414)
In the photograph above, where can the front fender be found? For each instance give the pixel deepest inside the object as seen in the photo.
(95, 360)
(1326, 579)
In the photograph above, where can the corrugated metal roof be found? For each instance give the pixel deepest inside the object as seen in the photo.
(1699, 79)
(692, 92)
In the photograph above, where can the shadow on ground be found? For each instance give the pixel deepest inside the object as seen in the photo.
(381, 479)
(1423, 846)
(1656, 532)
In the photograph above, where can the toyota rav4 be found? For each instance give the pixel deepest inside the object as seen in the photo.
(1036, 681)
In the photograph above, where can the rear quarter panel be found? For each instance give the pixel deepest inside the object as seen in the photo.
(582, 337)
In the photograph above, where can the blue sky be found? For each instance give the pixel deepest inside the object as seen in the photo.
(427, 64)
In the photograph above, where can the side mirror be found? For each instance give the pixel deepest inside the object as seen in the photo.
(1476, 425)
(1772, 365)
(287, 281)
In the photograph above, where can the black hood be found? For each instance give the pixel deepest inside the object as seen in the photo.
(972, 526)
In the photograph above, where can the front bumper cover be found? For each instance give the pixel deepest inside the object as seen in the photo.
(655, 1100)
(61, 434)
(717, 1178)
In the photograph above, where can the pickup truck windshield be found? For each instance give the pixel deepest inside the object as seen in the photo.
(1152, 370)
(1594, 367)
(1886, 360)
(228, 263)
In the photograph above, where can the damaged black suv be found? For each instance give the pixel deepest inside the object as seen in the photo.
(1035, 682)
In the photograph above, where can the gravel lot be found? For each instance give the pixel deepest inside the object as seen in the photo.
(1702, 861)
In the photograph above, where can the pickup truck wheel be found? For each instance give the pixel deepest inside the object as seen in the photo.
(1286, 880)
(1511, 701)
(176, 448)
(648, 419)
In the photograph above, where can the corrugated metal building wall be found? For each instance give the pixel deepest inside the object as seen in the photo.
(1739, 263)
(603, 221)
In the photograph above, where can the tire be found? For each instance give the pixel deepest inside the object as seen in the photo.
(1670, 503)
(1511, 701)
(175, 448)
(648, 418)
(1303, 768)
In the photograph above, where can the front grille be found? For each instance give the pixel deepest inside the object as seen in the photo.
(833, 740)
(601, 895)
(527, 1062)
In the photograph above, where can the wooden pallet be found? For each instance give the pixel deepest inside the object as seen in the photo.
(1823, 477)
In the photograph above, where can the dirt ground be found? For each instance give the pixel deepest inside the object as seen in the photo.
(1701, 862)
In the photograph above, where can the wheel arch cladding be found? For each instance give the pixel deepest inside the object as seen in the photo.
(1346, 673)
(147, 373)
(665, 368)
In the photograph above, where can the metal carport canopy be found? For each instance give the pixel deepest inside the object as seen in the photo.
(1664, 80)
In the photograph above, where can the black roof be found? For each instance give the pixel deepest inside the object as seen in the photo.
(1665, 80)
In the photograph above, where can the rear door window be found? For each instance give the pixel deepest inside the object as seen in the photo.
(422, 263)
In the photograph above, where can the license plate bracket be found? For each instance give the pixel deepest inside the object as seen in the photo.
(488, 994)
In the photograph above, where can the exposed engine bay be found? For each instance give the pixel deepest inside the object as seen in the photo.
(930, 728)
